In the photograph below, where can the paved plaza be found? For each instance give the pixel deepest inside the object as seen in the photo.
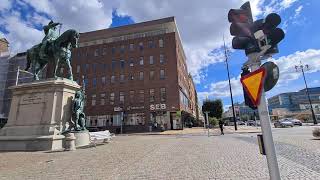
(180, 156)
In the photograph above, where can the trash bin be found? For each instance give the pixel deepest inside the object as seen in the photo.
(150, 128)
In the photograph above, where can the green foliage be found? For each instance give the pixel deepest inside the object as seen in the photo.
(213, 121)
(214, 107)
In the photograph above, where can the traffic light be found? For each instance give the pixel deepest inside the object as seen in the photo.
(244, 30)
(241, 22)
(273, 35)
(247, 100)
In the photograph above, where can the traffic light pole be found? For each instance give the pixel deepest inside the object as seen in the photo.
(254, 62)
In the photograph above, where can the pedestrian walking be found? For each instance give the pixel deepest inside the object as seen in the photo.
(221, 127)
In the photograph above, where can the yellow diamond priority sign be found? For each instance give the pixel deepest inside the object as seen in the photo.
(253, 84)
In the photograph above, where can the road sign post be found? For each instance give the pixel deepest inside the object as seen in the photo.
(266, 125)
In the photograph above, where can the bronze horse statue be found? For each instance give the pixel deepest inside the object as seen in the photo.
(58, 51)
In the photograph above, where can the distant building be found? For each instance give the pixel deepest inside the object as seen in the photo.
(295, 103)
(4, 64)
(135, 75)
(242, 112)
(19, 60)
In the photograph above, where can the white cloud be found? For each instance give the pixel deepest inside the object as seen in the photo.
(288, 73)
(5, 5)
(81, 15)
(201, 25)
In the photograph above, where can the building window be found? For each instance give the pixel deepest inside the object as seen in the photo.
(151, 60)
(141, 60)
(131, 47)
(113, 79)
(113, 64)
(162, 75)
(103, 80)
(94, 82)
(161, 43)
(161, 58)
(122, 48)
(113, 50)
(94, 68)
(104, 51)
(104, 68)
(151, 94)
(96, 52)
(122, 78)
(163, 94)
(86, 68)
(93, 100)
(150, 44)
(131, 77)
(102, 99)
(121, 97)
(78, 68)
(151, 75)
(131, 96)
(111, 98)
(122, 64)
(140, 75)
(86, 82)
(141, 96)
(141, 46)
(131, 62)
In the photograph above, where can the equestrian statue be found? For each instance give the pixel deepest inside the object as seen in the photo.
(53, 48)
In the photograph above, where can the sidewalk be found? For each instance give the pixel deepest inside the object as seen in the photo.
(201, 130)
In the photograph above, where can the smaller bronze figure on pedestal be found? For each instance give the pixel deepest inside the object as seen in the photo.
(78, 116)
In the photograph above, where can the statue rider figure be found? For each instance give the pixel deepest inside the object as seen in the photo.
(51, 34)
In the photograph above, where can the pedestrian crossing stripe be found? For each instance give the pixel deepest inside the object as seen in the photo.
(253, 83)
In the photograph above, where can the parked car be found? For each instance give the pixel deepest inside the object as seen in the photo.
(241, 123)
(253, 123)
(296, 122)
(283, 123)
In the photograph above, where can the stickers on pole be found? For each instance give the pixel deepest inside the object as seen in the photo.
(253, 84)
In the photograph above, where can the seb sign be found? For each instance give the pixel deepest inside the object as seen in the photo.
(154, 107)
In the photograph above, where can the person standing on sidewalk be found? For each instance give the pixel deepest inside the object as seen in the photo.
(221, 126)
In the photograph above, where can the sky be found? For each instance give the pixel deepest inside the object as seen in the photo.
(202, 25)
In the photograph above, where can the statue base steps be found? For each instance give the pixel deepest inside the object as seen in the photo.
(39, 112)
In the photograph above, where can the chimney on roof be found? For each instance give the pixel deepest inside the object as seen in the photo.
(4, 46)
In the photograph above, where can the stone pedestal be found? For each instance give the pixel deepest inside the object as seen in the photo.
(70, 142)
(82, 138)
(39, 112)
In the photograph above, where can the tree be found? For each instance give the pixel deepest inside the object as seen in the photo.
(213, 121)
(214, 107)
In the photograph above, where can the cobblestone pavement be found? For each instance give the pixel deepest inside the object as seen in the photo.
(233, 156)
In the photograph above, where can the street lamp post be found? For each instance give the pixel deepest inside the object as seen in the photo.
(207, 112)
(234, 115)
(301, 66)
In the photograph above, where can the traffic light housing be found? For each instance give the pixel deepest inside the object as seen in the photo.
(241, 21)
(247, 100)
(273, 35)
(244, 29)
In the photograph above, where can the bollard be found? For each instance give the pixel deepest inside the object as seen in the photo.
(70, 142)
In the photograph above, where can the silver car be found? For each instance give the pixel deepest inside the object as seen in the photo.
(283, 123)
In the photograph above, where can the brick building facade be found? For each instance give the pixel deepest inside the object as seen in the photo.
(135, 75)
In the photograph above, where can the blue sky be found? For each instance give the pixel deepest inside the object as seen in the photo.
(201, 26)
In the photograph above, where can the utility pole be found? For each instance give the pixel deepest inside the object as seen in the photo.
(207, 112)
(265, 124)
(301, 66)
(234, 115)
